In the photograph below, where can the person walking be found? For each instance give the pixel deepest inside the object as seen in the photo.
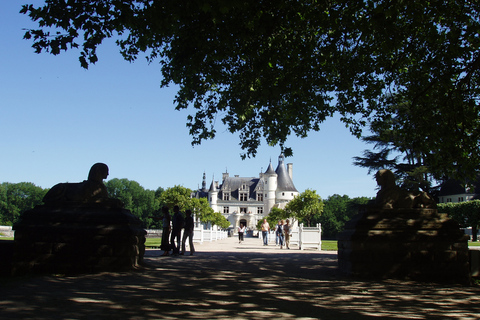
(165, 244)
(279, 233)
(241, 231)
(276, 234)
(177, 225)
(188, 232)
(287, 233)
(265, 229)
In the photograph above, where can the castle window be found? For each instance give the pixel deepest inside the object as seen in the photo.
(260, 210)
(226, 210)
(226, 196)
(243, 210)
(259, 196)
(244, 186)
(460, 199)
(243, 196)
(283, 193)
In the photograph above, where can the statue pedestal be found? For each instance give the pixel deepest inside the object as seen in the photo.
(68, 239)
(417, 244)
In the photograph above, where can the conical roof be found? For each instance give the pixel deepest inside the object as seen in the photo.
(270, 169)
(284, 182)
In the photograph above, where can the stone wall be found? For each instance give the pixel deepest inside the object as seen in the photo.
(417, 244)
(70, 239)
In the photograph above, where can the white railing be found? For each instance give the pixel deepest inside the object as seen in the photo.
(310, 237)
(303, 237)
(6, 231)
(200, 234)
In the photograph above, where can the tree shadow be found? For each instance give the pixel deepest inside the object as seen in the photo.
(238, 285)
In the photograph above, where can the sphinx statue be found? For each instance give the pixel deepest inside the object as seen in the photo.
(92, 190)
(80, 229)
(390, 196)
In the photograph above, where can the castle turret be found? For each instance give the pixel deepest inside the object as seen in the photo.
(213, 196)
(286, 190)
(270, 178)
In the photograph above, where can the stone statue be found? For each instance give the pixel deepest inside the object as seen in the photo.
(390, 196)
(91, 190)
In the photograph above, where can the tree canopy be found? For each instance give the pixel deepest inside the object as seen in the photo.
(467, 214)
(272, 69)
(305, 207)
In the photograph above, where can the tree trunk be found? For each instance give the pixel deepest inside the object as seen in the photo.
(474, 233)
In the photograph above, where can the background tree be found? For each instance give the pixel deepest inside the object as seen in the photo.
(467, 214)
(177, 196)
(140, 202)
(273, 69)
(273, 217)
(337, 211)
(15, 198)
(306, 206)
(220, 221)
(399, 146)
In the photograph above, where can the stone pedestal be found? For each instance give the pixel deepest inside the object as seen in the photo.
(71, 239)
(417, 244)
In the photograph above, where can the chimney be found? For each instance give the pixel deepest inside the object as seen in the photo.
(290, 170)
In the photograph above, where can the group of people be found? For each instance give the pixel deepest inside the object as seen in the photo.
(282, 233)
(172, 231)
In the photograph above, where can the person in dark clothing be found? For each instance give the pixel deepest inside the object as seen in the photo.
(165, 245)
(188, 232)
(177, 225)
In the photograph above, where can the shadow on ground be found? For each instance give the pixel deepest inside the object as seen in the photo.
(239, 285)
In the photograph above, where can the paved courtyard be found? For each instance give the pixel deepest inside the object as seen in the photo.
(228, 280)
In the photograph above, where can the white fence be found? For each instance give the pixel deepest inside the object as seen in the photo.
(6, 231)
(303, 237)
(200, 234)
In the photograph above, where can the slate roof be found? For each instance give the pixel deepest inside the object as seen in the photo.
(284, 182)
(452, 187)
(233, 185)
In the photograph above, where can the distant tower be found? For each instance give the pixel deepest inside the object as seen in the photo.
(286, 190)
(204, 182)
(270, 177)
(213, 196)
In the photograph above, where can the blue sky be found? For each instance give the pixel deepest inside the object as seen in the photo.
(57, 119)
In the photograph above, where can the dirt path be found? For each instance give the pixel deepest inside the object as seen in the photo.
(235, 281)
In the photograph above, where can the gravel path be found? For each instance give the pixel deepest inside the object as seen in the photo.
(225, 279)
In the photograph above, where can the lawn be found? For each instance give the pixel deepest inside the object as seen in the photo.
(328, 245)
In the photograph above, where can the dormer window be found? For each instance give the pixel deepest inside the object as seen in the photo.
(226, 196)
(243, 196)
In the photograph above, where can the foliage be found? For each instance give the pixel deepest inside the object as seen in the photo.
(305, 207)
(337, 211)
(142, 203)
(177, 196)
(271, 69)
(15, 198)
(181, 196)
(273, 217)
(399, 150)
(220, 221)
(467, 214)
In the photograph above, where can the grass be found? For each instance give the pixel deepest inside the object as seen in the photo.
(153, 242)
(329, 245)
